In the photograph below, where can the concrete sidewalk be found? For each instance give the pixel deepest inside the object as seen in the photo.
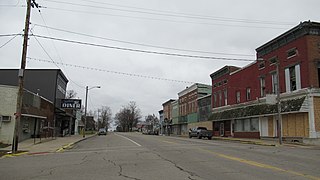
(48, 145)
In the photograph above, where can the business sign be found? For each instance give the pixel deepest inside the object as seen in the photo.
(71, 103)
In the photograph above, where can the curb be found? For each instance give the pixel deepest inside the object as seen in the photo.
(70, 145)
(246, 141)
(14, 155)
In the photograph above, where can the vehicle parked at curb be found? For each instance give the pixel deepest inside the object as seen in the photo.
(102, 131)
(200, 132)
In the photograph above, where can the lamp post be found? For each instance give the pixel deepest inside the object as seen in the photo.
(85, 109)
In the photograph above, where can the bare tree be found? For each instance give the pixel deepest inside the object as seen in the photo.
(71, 94)
(105, 120)
(128, 117)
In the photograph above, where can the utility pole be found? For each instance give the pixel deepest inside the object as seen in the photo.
(85, 113)
(21, 80)
(279, 122)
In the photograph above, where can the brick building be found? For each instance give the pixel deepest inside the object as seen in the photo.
(167, 116)
(188, 105)
(240, 96)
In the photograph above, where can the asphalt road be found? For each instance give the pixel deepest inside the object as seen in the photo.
(136, 156)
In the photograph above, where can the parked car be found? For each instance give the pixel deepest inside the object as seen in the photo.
(102, 131)
(200, 132)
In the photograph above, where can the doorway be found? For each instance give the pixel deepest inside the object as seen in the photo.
(221, 129)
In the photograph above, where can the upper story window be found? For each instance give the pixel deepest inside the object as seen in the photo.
(248, 94)
(220, 98)
(291, 53)
(293, 79)
(225, 97)
(273, 60)
(262, 86)
(261, 64)
(274, 83)
(238, 100)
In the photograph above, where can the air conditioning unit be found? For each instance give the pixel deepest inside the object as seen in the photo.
(5, 118)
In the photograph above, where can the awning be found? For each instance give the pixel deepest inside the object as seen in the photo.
(292, 105)
(34, 116)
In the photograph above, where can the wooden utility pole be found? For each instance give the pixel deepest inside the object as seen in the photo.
(21, 80)
(279, 122)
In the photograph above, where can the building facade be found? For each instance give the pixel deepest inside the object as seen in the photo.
(50, 84)
(243, 99)
(188, 105)
(36, 117)
(167, 117)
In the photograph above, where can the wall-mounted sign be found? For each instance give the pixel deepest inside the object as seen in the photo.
(71, 103)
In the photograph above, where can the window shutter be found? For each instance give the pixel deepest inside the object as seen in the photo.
(298, 77)
(287, 76)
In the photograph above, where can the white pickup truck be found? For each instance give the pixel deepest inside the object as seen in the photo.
(200, 132)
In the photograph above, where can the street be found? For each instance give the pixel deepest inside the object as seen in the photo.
(137, 156)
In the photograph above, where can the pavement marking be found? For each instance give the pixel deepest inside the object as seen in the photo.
(261, 165)
(170, 142)
(13, 155)
(68, 146)
(128, 139)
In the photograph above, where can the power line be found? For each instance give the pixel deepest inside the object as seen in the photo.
(173, 14)
(144, 51)
(46, 52)
(134, 43)
(8, 35)
(163, 20)
(109, 71)
(14, 36)
(197, 15)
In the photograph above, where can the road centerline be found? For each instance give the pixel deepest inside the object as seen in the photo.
(128, 139)
(260, 165)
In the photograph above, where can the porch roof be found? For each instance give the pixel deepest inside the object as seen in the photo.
(287, 106)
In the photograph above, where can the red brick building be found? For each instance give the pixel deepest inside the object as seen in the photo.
(240, 95)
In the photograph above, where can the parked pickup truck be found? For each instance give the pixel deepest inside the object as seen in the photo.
(200, 132)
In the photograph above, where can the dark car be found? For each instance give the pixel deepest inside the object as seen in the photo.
(102, 131)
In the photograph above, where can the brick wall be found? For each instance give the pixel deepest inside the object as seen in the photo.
(313, 45)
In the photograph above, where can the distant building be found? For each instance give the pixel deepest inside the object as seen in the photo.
(188, 105)
(167, 117)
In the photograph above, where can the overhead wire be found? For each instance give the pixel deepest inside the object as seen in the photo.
(163, 20)
(198, 15)
(55, 63)
(134, 43)
(144, 51)
(171, 14)
(110, 71)
(38, 7)
(14, 36)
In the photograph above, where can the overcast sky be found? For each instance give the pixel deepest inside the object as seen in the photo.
(122, 29)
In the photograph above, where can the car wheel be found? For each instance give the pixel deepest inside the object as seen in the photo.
(209, 138)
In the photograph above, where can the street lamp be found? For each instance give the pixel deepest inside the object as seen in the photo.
(85, 109)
